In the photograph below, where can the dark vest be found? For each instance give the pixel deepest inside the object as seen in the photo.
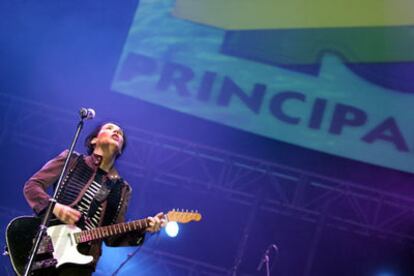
(75, 182)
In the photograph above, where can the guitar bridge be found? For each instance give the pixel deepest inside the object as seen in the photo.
(44, 264)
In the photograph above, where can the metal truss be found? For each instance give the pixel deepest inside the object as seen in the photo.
(351, 207)
(304, 195)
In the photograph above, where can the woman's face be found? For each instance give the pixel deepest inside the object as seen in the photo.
(110, 134)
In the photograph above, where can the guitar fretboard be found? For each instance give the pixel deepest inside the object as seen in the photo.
(110, 230)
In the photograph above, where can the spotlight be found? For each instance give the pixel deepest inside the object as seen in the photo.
(172, 229)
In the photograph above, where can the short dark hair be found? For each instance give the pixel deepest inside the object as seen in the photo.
(90, 147)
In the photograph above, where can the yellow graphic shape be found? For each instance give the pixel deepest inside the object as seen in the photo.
(283, 14)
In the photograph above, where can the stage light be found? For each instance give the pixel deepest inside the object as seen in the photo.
(172, 229)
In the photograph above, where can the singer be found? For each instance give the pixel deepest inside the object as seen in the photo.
(93, 194)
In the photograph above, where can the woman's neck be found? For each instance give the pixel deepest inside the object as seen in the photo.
(108, 158)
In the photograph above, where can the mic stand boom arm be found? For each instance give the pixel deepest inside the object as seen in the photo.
(45, 220)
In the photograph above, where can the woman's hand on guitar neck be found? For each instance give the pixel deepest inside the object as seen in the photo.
(156, 222)
(66, 214)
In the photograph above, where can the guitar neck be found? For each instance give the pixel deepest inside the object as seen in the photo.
(110, 230)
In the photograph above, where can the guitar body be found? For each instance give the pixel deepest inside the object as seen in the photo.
(20, 235)
(65, 247)
(59, 245)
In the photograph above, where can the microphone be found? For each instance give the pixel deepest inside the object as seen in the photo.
(274, 247)
(265, 257)
(87, 113)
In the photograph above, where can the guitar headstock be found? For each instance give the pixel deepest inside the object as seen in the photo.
(183, 216)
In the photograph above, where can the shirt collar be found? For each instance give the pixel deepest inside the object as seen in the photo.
(96, 160)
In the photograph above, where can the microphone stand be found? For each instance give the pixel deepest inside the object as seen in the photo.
(129, 257)
(265, 258)
(45, 220)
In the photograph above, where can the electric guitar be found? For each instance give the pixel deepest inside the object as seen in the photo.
(59, 245)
